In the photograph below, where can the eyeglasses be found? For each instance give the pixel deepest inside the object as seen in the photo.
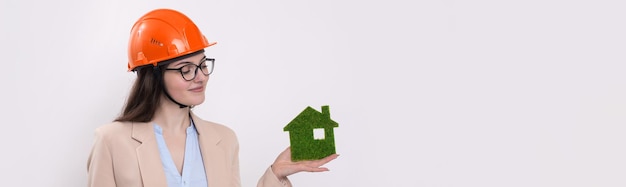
(206, 67)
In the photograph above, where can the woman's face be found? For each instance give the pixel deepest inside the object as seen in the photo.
(191, 91)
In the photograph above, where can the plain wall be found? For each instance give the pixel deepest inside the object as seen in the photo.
(426, 93)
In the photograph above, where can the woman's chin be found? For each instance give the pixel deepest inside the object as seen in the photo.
(197, 102)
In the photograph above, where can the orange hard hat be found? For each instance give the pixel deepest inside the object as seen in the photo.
(163, 34)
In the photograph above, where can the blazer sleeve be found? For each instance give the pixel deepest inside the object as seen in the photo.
(269, 179)
(235, 166)
(99, 164)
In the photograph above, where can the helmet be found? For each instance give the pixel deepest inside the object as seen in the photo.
(163, 34)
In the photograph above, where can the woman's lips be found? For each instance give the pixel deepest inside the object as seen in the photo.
(197, 89)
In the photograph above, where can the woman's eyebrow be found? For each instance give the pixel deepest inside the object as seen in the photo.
(189, 62)
(181, 62)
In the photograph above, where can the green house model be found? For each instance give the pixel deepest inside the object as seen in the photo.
(311, 134)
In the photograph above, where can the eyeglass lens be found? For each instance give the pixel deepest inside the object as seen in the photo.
(189, 71)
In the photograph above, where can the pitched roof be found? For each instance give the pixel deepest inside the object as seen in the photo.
(310, 118)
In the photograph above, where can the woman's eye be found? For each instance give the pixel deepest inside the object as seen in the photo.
(185, 70)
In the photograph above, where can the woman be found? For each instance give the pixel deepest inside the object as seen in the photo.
(158, 141)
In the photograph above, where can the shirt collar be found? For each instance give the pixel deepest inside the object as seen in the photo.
(190, 129)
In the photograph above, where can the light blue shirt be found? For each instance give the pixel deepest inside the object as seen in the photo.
(193, 174)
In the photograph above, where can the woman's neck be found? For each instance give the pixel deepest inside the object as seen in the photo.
(171, 118)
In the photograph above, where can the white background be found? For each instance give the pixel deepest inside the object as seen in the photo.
(426, 93)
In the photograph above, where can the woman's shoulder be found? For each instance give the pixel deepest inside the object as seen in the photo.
(115, 128)
(213, 125)
(205, 126)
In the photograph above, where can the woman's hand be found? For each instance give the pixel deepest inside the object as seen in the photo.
(283, 166)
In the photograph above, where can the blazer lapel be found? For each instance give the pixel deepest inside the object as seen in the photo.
(212, 155)
(148, 156)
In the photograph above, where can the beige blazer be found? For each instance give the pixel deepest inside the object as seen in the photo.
(126, 154)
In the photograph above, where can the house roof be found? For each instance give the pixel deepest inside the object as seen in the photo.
(310, 118)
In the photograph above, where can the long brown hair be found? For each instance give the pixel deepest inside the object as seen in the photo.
(144, 98)
(145, 95)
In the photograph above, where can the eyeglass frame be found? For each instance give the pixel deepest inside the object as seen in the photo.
(195, 72)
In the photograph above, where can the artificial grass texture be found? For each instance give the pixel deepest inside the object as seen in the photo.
(303, 144)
